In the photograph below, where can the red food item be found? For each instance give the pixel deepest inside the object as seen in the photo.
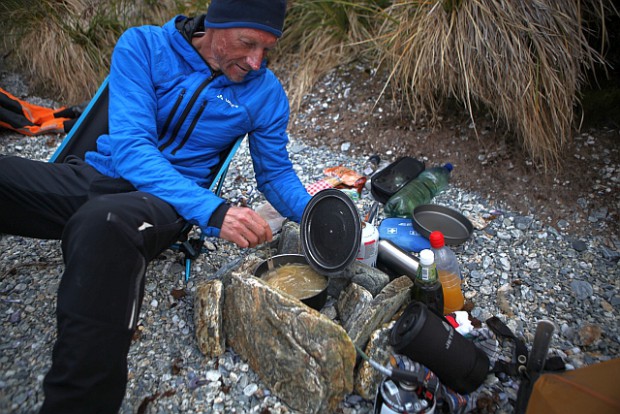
(347, 176)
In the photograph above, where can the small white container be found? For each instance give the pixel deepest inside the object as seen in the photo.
(369, 246)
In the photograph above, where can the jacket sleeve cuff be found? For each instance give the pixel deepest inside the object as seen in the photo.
(217, 218)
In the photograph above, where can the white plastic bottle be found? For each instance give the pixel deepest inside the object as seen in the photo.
(449, 273)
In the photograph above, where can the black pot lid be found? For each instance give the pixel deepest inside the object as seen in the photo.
(331, 231)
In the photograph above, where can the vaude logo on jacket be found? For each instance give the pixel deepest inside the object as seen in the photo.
(232, 105)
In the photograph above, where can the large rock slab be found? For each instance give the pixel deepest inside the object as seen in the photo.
(304, 358)
(209, 303)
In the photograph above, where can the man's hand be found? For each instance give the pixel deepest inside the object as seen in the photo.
(244, 227)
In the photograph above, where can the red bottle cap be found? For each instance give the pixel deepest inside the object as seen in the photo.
(436, 239)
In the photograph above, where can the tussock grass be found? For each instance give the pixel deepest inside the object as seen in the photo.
(64, 46)
(525, 61)
(61, 46)
(321, 35)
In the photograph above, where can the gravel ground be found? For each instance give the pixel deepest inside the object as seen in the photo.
(516, 267)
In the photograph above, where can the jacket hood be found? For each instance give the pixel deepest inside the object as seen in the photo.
(188, 26)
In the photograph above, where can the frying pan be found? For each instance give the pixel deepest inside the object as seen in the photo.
(456, 228)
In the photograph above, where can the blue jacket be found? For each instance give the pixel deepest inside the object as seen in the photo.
(170, 117)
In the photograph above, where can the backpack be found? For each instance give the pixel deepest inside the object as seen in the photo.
(29, 119)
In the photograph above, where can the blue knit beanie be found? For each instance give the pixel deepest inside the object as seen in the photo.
(267, 15)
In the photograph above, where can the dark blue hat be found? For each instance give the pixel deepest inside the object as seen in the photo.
(267, 15)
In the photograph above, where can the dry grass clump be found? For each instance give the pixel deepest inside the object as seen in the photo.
(66, 58)
(59, 45)
(321, 35)
(64, 46)
(523, 60)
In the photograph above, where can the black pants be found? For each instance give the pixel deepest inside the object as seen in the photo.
(109, 233)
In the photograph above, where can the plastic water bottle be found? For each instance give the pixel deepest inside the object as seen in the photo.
(426, 286)
(418, 191)
(449, 273)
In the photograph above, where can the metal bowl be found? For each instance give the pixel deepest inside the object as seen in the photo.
(316, 301)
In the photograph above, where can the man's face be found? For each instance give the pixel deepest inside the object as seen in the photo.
(237, 51)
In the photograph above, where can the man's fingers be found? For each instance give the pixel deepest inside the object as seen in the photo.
(245, 227)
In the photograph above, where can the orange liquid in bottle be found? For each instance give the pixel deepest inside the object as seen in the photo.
(453, 299)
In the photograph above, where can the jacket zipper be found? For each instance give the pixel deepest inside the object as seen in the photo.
(186, 111)
(169, 120)
(191, 128)
(135, 304)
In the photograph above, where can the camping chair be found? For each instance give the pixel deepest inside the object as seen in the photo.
(94, 122)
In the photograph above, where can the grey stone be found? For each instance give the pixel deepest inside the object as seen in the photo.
(567, 331)
(372, 279)
(505, 262)
(471, 266)
(579, 245)
(289, 240)
(611, 255)
(533, 264)
(582, 202)
(360, 317)
(582, 289)
(600, 213)
(475, 274)
(367, 378)
(208, 318)
(503, 235)
(490, 231)
(523, 222)
(296, 148)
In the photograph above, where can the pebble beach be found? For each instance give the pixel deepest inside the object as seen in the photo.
(514, 267)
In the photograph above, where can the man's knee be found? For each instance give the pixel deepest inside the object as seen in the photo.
(102, 223)
(135, 220)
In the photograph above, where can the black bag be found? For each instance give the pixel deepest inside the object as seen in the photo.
(386, 182)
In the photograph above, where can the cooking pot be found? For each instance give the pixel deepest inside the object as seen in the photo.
(316, 301)
(330, 234)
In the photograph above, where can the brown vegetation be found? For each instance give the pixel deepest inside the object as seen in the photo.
(524, 61)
